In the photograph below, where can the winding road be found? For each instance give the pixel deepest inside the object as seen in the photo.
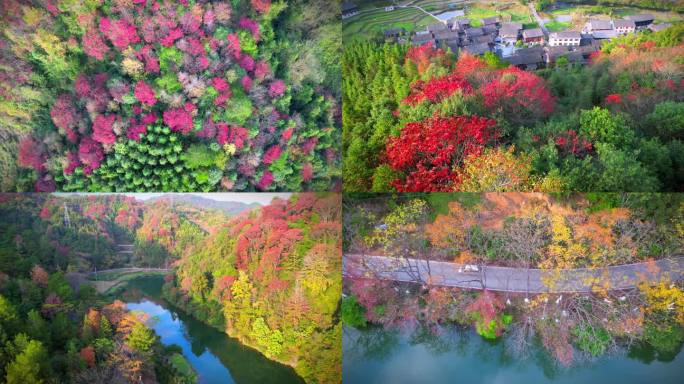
(540, 21)
(507, 279)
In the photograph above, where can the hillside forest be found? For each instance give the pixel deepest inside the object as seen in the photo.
(269, 276)
(120, 95)
(523, 230)
(420, 119)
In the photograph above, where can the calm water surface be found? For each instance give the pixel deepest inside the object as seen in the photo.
(378, 356)
(217, 358)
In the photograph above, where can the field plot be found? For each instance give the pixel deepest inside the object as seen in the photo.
(512, 11)
(575, 16)
(373, 18)
(374, 21)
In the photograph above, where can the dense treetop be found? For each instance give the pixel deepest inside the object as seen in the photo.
(162, 95)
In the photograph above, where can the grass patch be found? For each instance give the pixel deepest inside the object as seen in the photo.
(182, 366)
(519, 14)
(555, 26)
(439, 201)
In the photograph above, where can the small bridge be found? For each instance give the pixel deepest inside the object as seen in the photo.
(122, 275)
(506, 279)
(125, 248)
(129, 270)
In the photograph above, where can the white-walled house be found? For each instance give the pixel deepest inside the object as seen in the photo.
(565, 38)
(624, 26)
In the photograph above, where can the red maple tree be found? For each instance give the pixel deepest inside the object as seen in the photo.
(437, 89)
(428, 151)
(521, 96)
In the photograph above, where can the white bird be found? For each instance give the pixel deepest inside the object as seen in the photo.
(559, 299)
(622, 298)
(508, 301)
(527, 301)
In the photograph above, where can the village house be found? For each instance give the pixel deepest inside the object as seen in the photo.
(624, 26)
(437, 27)
(641, 21)
(533, 36)
(494, 21)
(453, 45)
(477, 49)
(552, 54)
(565, 38)
(594, 25)
(490, 29)
(589, 45)
(510, 32)
(470, 33)
(460, 24)
(445, 36)
(604, 34)
(527, 58)
(394, 33)
(489, 39)
(349, 9)
(659, 27)
(422, 38)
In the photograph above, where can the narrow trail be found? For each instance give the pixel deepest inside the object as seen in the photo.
(505, 279)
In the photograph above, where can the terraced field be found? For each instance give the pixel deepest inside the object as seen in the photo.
(367, 24)
(373, 18)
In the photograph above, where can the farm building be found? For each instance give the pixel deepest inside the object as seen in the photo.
(599, 25)
(642, 20)
(565, 38)
(349, 9)
(533, 36)
(624, 26)
(494, 20)
(510, 32)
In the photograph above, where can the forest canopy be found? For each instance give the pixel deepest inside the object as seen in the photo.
(268, 275)
(169, 96)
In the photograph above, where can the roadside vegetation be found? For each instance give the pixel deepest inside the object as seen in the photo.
(524, 231)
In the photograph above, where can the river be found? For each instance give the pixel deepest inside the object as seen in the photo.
(375, 355)
(216, 357)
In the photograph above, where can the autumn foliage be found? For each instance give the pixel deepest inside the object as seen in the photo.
(132, 90)
(427, 152)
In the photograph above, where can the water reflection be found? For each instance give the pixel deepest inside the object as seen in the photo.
(454, 355)
(217, 358)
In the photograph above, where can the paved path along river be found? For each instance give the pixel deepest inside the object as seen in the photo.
(507, 279)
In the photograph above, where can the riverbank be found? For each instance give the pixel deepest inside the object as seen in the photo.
(221, 326)
(217, 356)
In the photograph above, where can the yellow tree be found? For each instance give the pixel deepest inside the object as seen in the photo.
(448, 231)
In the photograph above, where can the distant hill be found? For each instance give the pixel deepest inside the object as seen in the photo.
(229, 207)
